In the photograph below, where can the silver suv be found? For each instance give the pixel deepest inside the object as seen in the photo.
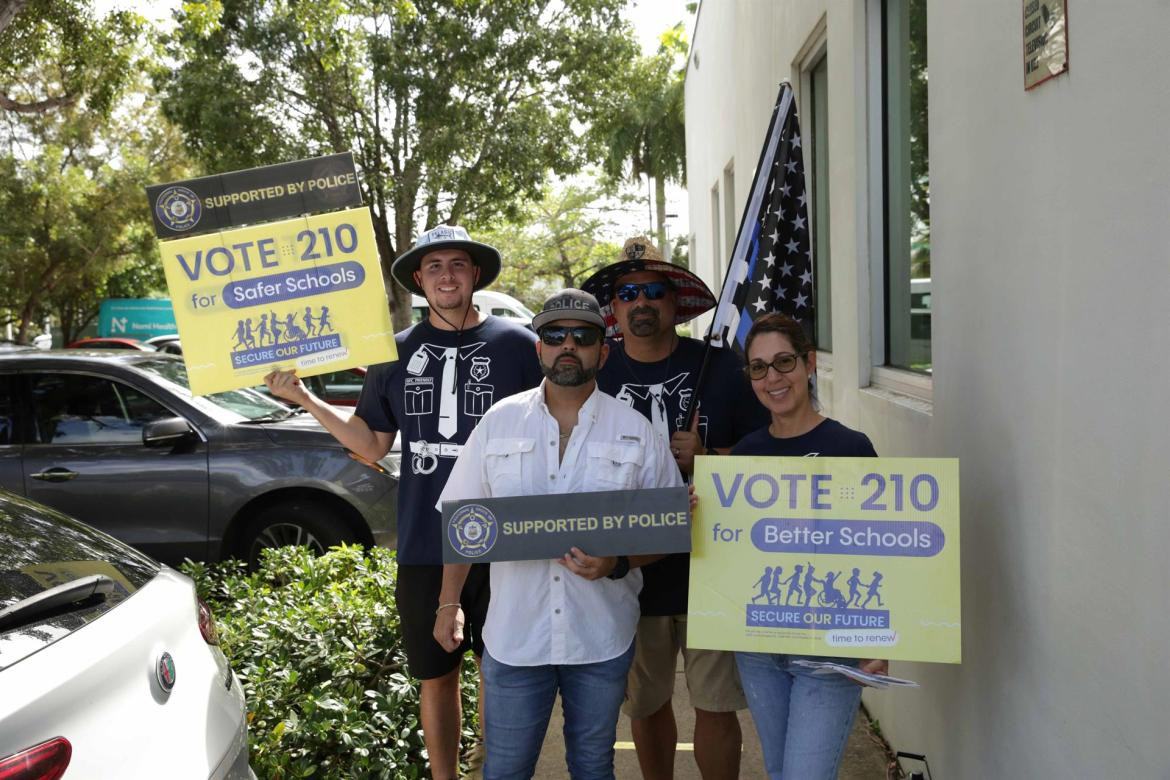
(116, 440)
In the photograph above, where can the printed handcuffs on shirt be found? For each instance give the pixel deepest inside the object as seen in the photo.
(620, 569)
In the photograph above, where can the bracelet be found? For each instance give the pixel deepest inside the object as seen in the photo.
(448, 604)
(620, 569)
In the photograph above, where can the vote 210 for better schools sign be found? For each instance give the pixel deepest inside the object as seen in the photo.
(852, 557)
(303, 293)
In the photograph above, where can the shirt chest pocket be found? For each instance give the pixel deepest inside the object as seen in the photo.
(506, 461)
(613, 466)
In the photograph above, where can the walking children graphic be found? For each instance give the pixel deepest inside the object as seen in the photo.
(872, 592)
(273, 324)
(802, 584)
(776, 592)
(323, 324)
(765, 583)
(274, 329)
(854, 583)
(809, 581)
(793, 584)
(292, 331)
(244, 337)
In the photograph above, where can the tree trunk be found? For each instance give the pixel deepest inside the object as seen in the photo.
(26, 315)
(397, 298)
(660, 206)
(9, 9)
(399, 295)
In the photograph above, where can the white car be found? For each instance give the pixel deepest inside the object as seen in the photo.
(169, 343)
(486, 302)
(109, 665)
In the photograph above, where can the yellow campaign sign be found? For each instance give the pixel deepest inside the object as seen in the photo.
(304, 294)
(848, 557)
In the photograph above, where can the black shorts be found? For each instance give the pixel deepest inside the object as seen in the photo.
(416, 593)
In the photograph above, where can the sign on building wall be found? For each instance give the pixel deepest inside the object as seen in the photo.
(139, 318)
(851, 557)
(1045, 40)
(304, 294)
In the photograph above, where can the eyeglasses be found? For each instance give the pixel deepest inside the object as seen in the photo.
(583, 335)
(652, 290)
(783, 362)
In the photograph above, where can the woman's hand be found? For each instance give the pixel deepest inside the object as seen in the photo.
(874, 666)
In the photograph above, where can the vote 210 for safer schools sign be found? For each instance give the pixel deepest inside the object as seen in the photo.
(851, 557)
(303, 293)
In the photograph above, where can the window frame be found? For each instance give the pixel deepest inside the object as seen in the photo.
(882, 374)
(812, 54)
(26, 424)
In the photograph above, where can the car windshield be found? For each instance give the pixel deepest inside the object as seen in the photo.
(228, 406)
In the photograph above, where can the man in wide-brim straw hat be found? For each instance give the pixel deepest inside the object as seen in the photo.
(654, 370)
(452, 367)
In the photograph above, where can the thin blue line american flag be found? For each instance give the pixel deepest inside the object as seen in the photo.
(771, 263)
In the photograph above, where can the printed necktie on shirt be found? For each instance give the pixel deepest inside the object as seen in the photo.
(448, 390)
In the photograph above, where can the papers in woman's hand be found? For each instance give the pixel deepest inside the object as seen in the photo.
(853, 673)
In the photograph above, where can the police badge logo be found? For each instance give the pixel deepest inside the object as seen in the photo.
(178, 208)
(472, 530)
(480, 368)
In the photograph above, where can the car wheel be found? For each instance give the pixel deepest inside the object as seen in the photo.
(293, 523)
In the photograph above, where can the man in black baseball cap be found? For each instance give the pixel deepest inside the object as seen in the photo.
(452, 367)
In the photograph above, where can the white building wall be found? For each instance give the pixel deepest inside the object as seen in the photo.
(1051, 282)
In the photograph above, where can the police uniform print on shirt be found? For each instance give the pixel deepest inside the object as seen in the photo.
(422, 390)
(656, 396)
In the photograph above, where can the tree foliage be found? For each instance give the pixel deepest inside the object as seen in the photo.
(75, 226)
(554, 242)
(455, 109)
(56, 53)
(643, 131)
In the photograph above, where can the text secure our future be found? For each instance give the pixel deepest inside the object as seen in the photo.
(562, 525)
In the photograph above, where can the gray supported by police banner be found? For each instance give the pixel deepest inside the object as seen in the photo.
(530, 528)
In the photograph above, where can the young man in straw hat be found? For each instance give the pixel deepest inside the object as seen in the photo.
(451, 368)
(654, 370)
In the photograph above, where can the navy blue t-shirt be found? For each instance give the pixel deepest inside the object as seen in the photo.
(433, 396)
(661, 392)
(829, 439)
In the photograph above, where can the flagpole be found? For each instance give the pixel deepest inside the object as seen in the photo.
(761, 169)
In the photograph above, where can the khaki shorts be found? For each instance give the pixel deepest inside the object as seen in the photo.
(712, 678)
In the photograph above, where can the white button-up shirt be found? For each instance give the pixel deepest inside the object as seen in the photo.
(541, 613)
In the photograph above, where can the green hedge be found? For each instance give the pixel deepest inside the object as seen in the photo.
(316, 644)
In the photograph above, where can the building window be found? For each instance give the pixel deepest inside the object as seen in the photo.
(907, 187)
(819, 124)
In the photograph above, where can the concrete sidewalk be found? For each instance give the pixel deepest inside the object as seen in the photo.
(864, 759)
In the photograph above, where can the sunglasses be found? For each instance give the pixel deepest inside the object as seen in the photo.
(783, 362)
(583, 335)
(653, 291)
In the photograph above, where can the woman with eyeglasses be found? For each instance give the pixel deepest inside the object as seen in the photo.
(803, 719)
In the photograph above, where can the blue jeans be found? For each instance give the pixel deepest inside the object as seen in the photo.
(803, 719)
(518, 702)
